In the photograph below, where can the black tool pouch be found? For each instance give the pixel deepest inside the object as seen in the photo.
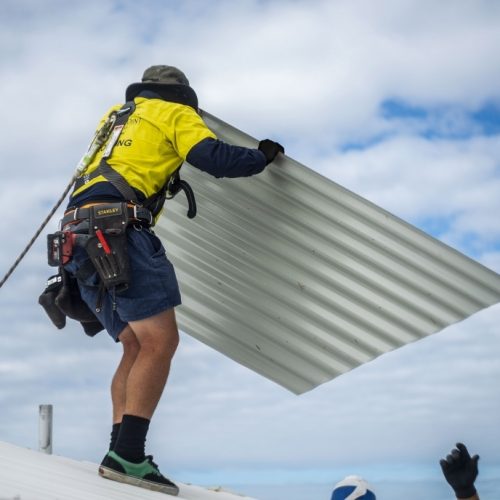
(107, 245)
(48, 301)
(70, 301)
(61, 298)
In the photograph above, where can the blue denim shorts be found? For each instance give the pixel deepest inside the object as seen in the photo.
(153, 286)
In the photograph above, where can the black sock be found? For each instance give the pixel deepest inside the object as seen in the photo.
(131, 441)
(114, 435)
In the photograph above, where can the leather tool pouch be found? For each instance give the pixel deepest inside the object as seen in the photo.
(61, 298)
(48, 301)
(107, 244)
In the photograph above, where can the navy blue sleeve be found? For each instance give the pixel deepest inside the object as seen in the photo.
(225, 160)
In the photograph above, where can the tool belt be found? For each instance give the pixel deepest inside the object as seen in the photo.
(101, 230)
(135, 213)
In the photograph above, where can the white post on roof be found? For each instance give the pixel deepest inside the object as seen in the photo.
(45, 429)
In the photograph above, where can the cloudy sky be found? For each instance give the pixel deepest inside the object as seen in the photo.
(397, 100)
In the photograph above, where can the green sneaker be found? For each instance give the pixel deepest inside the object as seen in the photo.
(144, 474)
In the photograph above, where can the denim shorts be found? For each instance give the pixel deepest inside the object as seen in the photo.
(153, 286)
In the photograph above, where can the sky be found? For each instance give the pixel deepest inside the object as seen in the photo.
(396, 100)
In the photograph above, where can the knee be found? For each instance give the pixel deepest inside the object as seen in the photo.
(130, 345)
(162, 343)
(158, 336)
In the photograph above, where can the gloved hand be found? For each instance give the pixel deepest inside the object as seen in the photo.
(270, 149)
(460, 470)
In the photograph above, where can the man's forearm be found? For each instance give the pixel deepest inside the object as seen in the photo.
(225, 160)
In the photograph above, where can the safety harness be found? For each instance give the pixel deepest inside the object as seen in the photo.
(155, 202)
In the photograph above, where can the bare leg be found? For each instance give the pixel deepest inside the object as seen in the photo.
(148, 348)
(157, 338)
(119, 384)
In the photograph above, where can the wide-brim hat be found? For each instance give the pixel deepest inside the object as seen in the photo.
(166, 75)
(352, 488)
(167, 81)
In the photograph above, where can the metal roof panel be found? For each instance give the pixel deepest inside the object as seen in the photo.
(300, 280)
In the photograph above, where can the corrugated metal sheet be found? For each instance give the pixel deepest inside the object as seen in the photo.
(301, 280)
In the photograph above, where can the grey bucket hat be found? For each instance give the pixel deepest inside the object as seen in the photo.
(167, 81)
(165, 74)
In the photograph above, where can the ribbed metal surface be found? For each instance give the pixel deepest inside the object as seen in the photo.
(301, 280)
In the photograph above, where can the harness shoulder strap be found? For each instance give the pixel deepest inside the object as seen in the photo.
(104, 168)
(155, 202)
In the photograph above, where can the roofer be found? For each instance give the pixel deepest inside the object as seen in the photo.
(125, 275)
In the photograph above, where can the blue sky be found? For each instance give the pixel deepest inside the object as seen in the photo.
(397, 101)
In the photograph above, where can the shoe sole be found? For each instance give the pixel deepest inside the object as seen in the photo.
(136, 481)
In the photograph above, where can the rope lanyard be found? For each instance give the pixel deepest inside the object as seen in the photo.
(100, 138)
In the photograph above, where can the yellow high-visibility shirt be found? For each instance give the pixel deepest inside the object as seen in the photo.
(152, 145)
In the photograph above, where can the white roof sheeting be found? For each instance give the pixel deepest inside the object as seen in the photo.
(29, 475)
(301, 280)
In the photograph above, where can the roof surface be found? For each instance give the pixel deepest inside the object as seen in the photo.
(29, 475)
(301, 280)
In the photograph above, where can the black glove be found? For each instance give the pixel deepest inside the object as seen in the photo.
(460, 470)
(270, 149)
